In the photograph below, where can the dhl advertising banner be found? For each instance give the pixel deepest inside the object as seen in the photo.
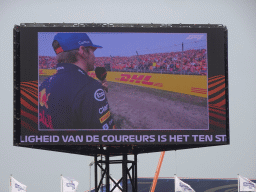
(187, 84)
(47, 72)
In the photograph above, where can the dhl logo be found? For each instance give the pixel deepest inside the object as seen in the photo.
(138, 79)
(135, 79)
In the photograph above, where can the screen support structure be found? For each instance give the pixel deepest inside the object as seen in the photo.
(129, 172)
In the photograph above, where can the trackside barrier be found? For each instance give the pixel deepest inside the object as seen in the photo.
(188, 84)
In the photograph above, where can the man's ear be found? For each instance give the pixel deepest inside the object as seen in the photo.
(82, 50)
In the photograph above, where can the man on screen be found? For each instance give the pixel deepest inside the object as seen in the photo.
(71, 99)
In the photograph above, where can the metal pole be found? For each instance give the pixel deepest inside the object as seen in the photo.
(124, 166)
(133, 175)
(238, 183)
(95, 173)
(136, 176)
(90, 173)
(61, 185)
(10, 187)
(107, 173)
(101, 173)
(90, 179)
(157, 171)
(125, 173)
(175, 182)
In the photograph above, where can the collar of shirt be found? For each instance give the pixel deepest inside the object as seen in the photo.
(64, 67)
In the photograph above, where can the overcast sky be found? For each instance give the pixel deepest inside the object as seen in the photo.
(126, 44)
(40, 170)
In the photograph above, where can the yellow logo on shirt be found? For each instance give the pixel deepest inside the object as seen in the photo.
(105, 117)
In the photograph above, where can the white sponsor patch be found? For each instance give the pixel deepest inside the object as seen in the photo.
(99, 95)
(103, 109)
(105, 126)
(83, 42)
(59, 68)
(81, 71)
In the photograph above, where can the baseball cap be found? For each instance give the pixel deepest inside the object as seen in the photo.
(71, 41)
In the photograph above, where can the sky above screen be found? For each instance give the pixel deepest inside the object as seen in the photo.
(126, 44)
(40, 170)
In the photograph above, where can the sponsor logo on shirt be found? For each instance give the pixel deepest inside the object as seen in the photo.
(99, 95)
(103, 109)
(60, 68)
(105, 126)
(43, 98)
(105, 117)
(45, 119)
(81, 71)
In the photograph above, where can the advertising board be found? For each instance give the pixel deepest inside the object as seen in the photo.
(165, 87)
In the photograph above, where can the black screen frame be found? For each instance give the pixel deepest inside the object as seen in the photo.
(26, 50)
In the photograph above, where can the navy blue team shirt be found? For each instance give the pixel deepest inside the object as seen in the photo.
(71, 99)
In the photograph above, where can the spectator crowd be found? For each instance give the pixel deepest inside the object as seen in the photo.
(47, 62)
(190, 62)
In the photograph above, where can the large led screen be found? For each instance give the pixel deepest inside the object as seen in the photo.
(122, 86)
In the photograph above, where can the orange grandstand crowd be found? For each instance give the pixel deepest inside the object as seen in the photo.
(47, 62)
(191, 62)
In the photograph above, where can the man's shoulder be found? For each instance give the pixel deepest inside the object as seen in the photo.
(73, 75)
(95, 82)
(47, 82)
(92, 91)
(91, 85)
